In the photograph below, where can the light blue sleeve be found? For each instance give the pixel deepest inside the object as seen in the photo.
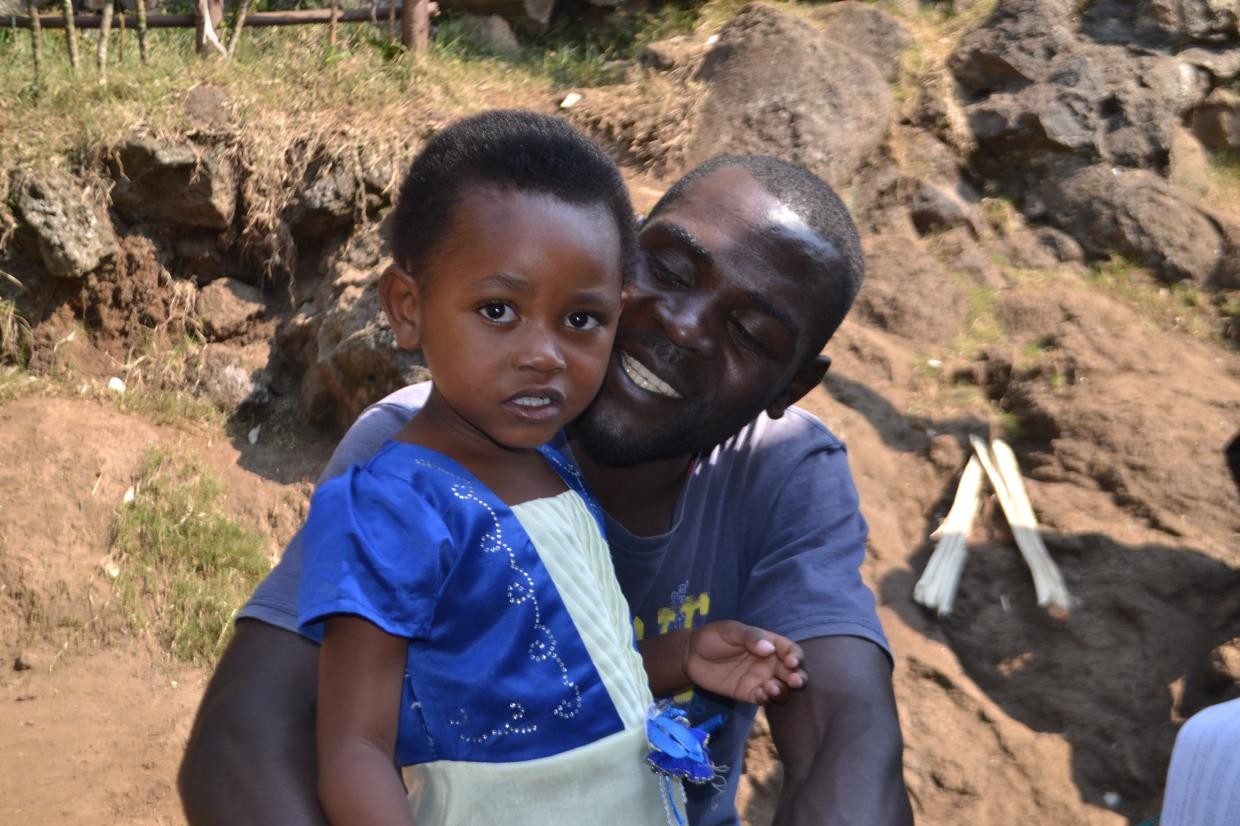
(275, 600)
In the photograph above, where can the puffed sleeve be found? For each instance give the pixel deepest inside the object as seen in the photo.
(373, 548)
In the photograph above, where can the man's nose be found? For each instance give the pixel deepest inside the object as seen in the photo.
(686, 318)
(537, 349)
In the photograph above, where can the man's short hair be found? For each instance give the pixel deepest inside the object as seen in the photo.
(508, 149)
(815, 203)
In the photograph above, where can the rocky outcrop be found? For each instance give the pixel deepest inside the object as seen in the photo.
(343, 338)
(71, 234)
(1135, 213)
(900, 274)
(777, 85)
(177, 184)
(866, 30)
(226, 305)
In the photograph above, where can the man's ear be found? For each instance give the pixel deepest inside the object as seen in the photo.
(401, 298)
(804, 380)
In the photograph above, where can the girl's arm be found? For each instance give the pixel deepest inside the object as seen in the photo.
(361, 675)
(726, 657)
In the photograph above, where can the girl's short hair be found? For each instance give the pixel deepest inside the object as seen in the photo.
(508, 149)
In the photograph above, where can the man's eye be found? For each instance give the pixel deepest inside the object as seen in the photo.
(662, 273)
(498, 312)
(581, 320)
(748, 339)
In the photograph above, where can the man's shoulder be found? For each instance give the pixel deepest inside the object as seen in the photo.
(790, 437)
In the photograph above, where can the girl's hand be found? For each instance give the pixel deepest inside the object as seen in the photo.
(743, 662)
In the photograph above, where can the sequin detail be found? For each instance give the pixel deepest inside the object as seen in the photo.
(520, 592)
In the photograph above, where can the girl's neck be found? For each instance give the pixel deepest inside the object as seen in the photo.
(515, 475)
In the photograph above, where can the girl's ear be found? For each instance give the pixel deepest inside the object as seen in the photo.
(402, 303)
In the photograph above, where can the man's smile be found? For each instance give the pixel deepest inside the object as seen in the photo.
(642, 376)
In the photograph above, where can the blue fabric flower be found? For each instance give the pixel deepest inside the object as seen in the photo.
(676, 749)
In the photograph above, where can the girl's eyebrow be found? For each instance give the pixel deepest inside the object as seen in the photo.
(504, 280)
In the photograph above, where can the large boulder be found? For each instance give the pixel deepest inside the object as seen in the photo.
(1216, 122)
(226, 305)
(350, 353)
(71, 234)
(867, 30)
(1162, 23)
(177, 184)
(779, 86)
(1134, 213)
(1039, 96)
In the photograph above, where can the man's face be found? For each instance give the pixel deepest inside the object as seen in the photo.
(720, 319)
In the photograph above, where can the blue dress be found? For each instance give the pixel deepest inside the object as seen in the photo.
(524, 700)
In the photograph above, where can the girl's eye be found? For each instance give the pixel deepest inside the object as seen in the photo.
(498, 312)
(581, 320)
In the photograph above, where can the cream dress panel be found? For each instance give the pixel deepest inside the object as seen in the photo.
(606, 783)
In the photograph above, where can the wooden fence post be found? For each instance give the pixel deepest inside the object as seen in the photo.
(331, 29)
(415, 21)
(142, 31)
(36, 46)
(235, 37)
(70, 34)
(210, 13)
(105, 31)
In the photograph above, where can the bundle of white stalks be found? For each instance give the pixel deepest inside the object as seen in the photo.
(937, 587)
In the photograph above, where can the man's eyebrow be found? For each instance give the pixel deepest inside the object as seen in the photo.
(685, 237)
(775, 311)
(503, 280)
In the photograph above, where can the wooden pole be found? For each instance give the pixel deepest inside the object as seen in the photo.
(210, 13)
(391, 21)
(142, 31)
(36, 47)
(70, 34)
(120, 41)
(331, 28)
(255, 20)
(238, 25)
(415, 21)
(105, 30)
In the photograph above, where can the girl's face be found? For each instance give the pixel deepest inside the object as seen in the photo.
(515, 313)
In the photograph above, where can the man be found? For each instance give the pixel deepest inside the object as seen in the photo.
(750, 265)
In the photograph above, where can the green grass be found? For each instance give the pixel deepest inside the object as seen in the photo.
(1178, 306)
(181, 565)
(981, 327)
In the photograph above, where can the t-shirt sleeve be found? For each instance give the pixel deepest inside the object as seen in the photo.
(275, 600)
(375, 549)
(806, 581)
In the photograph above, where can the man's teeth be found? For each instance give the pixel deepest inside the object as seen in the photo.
(533, 401)
(643, 378)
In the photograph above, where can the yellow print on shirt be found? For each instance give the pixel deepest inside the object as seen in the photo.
(680, 614)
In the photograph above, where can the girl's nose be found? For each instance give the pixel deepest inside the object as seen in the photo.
(538, 350)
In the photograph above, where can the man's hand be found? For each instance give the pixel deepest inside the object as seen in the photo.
(743, 662)
(251, 753)
(839, 740)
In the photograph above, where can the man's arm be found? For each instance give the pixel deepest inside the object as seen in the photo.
(251, 754)
(839, 740)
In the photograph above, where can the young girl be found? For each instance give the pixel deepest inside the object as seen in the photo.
(472, 628)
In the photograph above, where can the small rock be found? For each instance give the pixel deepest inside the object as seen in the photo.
(128, 498)
(1112, 800)
(937, 207)
(24, 661)
(252, 436)
(225, 305)
(116, 385)
(570, 100)
(490, 33)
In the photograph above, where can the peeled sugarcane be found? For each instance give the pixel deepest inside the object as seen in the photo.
(70, 33)
(937, 587)
(1001, 468)
(207, 35)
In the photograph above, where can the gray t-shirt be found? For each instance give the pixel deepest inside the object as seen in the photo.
(767, 531)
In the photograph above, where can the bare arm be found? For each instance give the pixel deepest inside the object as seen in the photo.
(840, 740)
(251, 754)
(361, 671)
